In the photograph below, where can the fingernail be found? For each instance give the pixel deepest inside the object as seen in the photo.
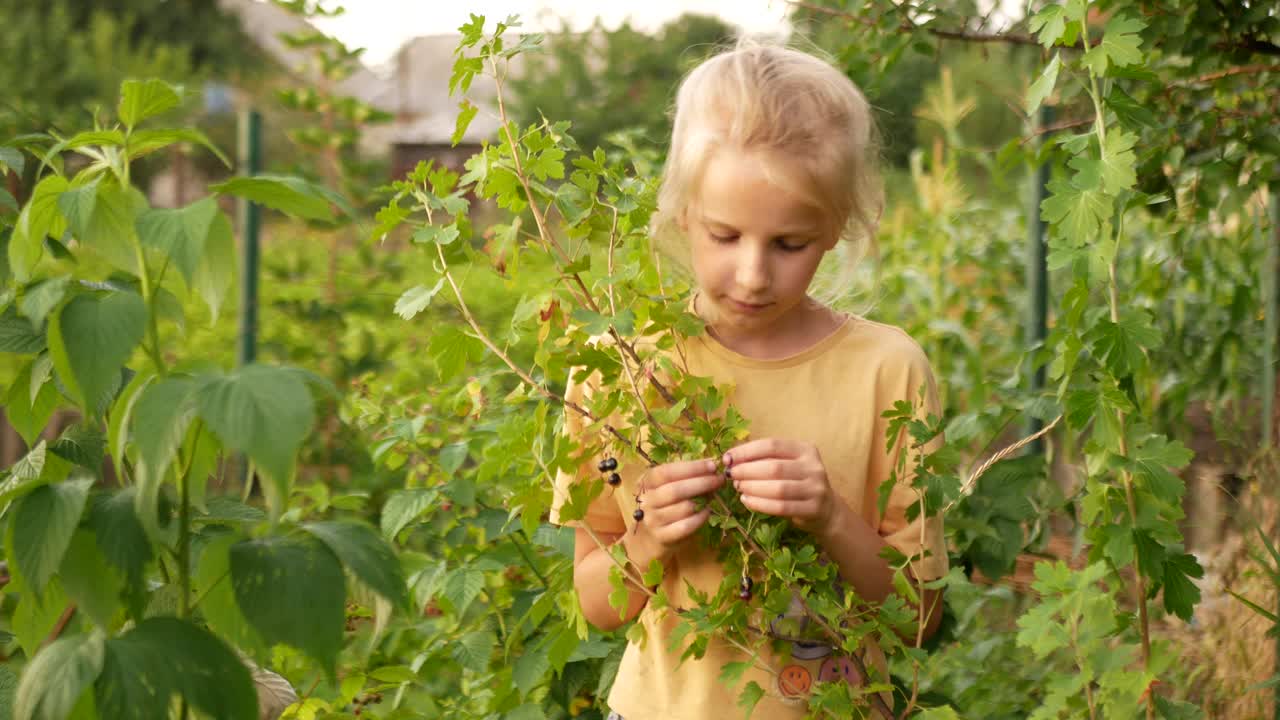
(711, 466)
(736, 485)
(728, 460)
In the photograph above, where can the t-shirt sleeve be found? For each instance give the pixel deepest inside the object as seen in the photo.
(913, 381)
(603, 514)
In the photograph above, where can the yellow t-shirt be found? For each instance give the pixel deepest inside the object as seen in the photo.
(832, 395)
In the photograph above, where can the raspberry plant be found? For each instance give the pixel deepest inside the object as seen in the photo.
(146, 600)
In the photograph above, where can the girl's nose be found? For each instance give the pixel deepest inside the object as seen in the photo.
(752, 271)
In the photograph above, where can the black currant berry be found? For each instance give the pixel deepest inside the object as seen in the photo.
(615, 479)
(744, 594)
(746, 584)
(608, 465)
(638, 514)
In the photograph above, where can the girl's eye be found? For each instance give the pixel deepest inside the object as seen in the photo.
(723, 238)
(792, 246)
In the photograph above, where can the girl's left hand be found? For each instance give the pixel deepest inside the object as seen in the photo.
(785, 478)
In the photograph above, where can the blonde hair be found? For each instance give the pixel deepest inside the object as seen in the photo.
(786, 104)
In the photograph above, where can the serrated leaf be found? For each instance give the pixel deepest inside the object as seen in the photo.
(83, 445)
(58, 675)
(365, 555)
(416, 299)
(141, 99)
(292, 591)
(1118, 160)
(1077, 213)
(466, 113)
(89, 581)
(40, 299)
(160, 419)
(1120, 46)
(1153, 461)
(264, 412)
(41, 526)
(17, 335)
(290, 195)
(107, 226)
(90, 340)
(181, 234)
(453, 349)
(750, 697)
(213, 585)
(452, 456)
(11, 158)
(144, 142)
(530, 669)
(164, 656)
(1180, 593)
(1049, 24)
(403, 507)
(28, 418)
(217, 269)
(1121, 344)
(39, 218)
(461, 586)
(474, 650)
(436, 234)
(1043, 85)
(122, 540)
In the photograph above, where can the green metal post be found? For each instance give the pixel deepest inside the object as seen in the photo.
(250, 220)
(250, 162)
(1037, 277)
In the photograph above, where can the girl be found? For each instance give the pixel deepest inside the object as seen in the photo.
(771, 165)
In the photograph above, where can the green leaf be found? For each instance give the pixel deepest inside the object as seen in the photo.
(35, 617)
(217, 269)
(1153, 460)
(212, 584)
(1130, 111)
(1180, 593)
(287, 194)
(8, 203)
(453, 349)
(1076, 213)
(416, 299)
(81, 444)
(1049, 24)
(122, 540)
(120, 418)
(160, 418)
(40, 299)
(90, 340)
(141, 99)
(164, 656)
(466, 113)
(77, 206)
(29, 418)
(17, 335)
(530, 669)
(365, 555)
(37, 220)
(41, 526)
(264, 412)
(143, 142)
(1120, 345)
(750, 697)
(474, 650)
(1120, 46)
(106, 226)
(89, 580)
(452, 456)
(180, 234)
(1043, 85)
(292, 591)
(436, 234)
(8, 690)
(36, 468)
(403, 507)
(59, 674)
(1176, 709)
(11, 158)
(1118, 161)
(461, 586)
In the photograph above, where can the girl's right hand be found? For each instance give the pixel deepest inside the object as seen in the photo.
(670, 514)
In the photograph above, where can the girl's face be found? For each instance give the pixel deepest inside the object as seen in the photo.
(755, 247)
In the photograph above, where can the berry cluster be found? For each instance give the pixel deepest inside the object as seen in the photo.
(609, 465)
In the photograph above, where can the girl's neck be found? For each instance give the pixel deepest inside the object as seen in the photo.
(806, 325)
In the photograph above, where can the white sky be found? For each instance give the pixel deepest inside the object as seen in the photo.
(381, 26)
